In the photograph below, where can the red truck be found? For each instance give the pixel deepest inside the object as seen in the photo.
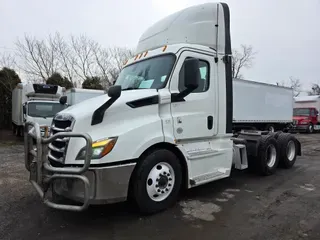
(306, 114)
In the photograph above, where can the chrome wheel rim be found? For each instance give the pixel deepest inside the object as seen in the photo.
(271, 129)
(160, 181)
(291, 150)
(310, 128)
(271, 155)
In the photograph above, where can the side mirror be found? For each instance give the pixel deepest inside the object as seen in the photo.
(191, 78)
(98, 115)
(114, 91)
(63, 100)
(24, 109)
(191, 73)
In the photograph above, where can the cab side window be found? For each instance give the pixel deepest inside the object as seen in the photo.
(204, 77)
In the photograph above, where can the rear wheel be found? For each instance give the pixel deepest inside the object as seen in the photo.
(156, 181)
(288, 150)
(270, 128)
(267, 158)
(275, 134)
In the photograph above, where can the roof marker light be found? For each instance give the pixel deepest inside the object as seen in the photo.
(164, 48)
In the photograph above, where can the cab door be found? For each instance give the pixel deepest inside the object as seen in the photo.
(196, 116)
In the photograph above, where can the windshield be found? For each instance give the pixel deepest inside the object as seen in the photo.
(44, 109)
(151, 73)
(301, 112)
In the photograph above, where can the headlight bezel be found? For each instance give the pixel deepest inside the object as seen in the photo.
(100, 148)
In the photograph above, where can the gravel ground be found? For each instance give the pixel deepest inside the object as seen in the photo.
(283, 206)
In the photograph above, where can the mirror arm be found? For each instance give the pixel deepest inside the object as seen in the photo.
(177, 97)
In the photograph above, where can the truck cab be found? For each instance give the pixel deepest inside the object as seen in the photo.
(306, 119)
(306, 114)
(35, 103)
(41, 111)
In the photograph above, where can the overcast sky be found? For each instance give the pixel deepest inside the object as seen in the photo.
(286, 33)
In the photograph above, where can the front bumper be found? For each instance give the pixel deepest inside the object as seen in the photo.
(85, 184)
(299, 128)
(106, 185)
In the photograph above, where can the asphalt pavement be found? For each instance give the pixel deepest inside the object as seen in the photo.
(245, 206)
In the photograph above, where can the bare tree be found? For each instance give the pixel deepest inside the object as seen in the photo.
(315, 90)
(103, 65)
(7, 60)
(38, 57)
(64, 55)
(293, 83)
(118, 55)
(242, 58)
(83, 56)
(76, 58)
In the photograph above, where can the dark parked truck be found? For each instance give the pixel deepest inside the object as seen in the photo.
(166, 124)
(306, 114)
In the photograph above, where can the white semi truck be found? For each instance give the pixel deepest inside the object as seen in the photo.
(77, 95)
(166, 125)
(35, 103)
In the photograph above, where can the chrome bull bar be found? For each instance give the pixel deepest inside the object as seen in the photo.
(42, 174)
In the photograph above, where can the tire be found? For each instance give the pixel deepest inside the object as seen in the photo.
(310, 128)
(14, 129)
(159, 166)
(287, 150)
(275, 134)
(19, 131)
(270, 128)
(267, 159)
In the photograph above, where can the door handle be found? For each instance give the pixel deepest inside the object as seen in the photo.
(209, 122)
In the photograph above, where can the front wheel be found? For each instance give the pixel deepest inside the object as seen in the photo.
(156, 181)
(310, 128)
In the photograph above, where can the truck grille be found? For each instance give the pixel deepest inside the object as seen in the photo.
(58, 148)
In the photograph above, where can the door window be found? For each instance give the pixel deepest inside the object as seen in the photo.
(204, 77)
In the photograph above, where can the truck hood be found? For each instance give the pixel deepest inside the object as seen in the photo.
(86, 108)
(41, 121)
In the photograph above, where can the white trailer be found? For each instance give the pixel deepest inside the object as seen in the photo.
(261, 106)
(165, 125)
(35, 103)
(77, 95)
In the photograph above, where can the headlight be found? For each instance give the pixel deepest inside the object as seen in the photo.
(100, 148)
